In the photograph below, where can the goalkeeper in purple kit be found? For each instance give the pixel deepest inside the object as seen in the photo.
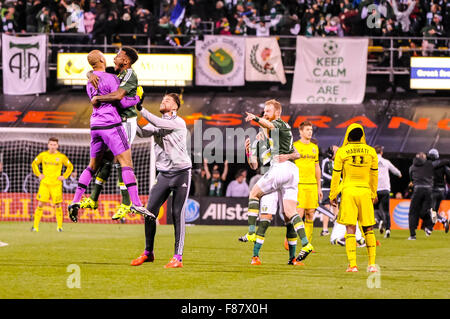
(107, 132)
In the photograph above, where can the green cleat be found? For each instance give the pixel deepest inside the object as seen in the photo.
(122, 212)
(87, 202)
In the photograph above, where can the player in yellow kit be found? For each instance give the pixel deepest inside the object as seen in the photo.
(309, 185)
(51, 181)
(357, 162)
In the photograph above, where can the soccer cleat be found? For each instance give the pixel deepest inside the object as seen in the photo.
(304, 252)
(427, 232)
(338, 241)
(73, 211)
(174, 263)
(59, 230)
(247, 237)
(412, 238)
(324, 233)
(433, 215)
(446, 226)
(140, 93)
(142, 211)
(121, 212)
(34, 229)
(387, 234)
(256, 261)
(294, 262)
(372, 268)
(286, 244)
(352, 269)
(380, 227)
(88, 202)
(143, 258)
(378, 243)
(361, 242)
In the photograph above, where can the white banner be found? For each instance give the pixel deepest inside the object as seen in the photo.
(263, 60)
(220, 61)
(24, 64)
(330, 71)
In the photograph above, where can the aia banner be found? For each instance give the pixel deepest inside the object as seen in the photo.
(24, 64)
(263, 60)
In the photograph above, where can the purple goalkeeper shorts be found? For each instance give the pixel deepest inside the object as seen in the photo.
(113, 138)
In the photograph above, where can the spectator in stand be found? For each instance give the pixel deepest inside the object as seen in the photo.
(70, 184)
(43, 19)
(89, 19)
(238, 187)
(75, 18)
(402, 14)
(262, 27)
(218, 12)
(4, 180)
(7, 15)
(216, 181)
(223, 26)
(435, 29)
(200, 182)
(33, 7)
(126, 26)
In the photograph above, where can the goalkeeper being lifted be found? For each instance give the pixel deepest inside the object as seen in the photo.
(128, 88)
(51, 181)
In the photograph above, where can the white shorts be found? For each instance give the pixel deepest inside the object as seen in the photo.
(269, 203)
(339, 231)
(130, 127)
(281, 177)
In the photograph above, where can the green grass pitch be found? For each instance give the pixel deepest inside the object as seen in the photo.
(216, 265)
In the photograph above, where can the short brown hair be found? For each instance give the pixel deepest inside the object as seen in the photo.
(304, 124)
(275, 103)
(53, 139)
(378, 149)
(175, 97)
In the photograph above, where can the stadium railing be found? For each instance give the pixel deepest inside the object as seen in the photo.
(386, 55)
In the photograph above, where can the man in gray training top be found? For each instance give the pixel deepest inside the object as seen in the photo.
(173, 164)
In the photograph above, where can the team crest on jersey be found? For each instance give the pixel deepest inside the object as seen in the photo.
(57, 159)
(314, 150)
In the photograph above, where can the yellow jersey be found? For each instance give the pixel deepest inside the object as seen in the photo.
(357, 164)
(309, 157)
(52, 166)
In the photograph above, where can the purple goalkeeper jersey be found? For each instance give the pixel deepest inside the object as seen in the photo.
(106, 114)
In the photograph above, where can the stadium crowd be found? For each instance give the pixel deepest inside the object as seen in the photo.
(95, 19)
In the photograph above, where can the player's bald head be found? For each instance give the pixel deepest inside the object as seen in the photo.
(95, 57)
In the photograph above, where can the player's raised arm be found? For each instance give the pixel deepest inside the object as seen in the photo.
(147, 130)
(251, 158)
(260, 120)
(159, 122)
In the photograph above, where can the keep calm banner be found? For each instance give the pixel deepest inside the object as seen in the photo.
(220, 61)
(24, 64)
(330, 71)
(263, 60)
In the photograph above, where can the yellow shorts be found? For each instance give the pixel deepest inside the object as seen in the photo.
(50, 190)
(356, 205)
(307, 196)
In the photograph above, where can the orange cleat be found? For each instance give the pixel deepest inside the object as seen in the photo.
(286, 244)
(295, 262)
(174, 263)
(352, 269)
(256, 261)
(143, 258)
(378, 243)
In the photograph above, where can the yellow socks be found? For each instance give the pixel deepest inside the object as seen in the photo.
(350, 248)
(37, 217)
(59, 216)
(371, 244)
(309, 227)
